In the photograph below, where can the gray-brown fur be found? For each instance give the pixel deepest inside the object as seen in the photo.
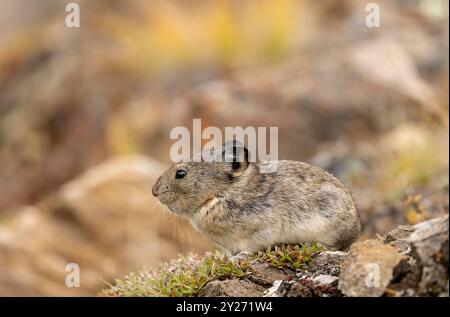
(243, 210)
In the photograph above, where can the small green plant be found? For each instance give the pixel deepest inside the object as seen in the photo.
(187, 275)
(290, 256)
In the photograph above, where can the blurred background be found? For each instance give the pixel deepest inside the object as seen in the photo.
(85, 116)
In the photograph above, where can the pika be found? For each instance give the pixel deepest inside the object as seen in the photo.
(242, 210)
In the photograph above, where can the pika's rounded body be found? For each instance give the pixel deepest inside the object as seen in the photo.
(242, 209)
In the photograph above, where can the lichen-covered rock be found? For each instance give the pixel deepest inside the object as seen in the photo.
(326, 279)
(327, 263)
(278, 289)
(368, 268)
(305, 286)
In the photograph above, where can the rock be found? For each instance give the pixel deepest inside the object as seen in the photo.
(318, 279)
(327, 263)
(401, 232)
(326, 279)
(426, 245)
(413, 261)
(308, 287)
(263, 274)
(278, 289)
(234, 288)
(322, 285)
(368, 268)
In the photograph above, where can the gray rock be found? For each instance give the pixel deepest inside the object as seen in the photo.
(278, 289)
(326, 279)
(327, 263)
(401, 232)
(426, 245)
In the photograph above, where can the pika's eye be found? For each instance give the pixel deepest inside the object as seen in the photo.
(180, 174)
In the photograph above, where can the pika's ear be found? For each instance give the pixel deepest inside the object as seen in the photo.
(236, 157)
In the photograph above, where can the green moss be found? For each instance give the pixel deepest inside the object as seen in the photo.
(186, 275)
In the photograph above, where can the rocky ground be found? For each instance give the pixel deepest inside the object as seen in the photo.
(408, 261)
